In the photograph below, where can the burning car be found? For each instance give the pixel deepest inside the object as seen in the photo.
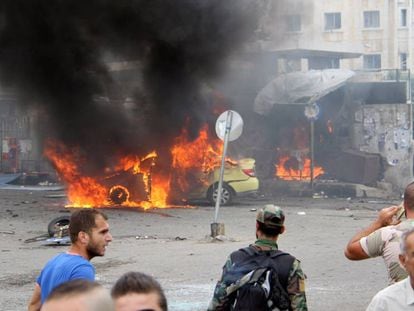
(239, 180)
(189, 172)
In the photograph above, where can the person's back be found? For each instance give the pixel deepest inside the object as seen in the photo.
(265, 262)
(258, 278)
(62, 268)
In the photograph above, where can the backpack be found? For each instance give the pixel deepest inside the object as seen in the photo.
(258, 280)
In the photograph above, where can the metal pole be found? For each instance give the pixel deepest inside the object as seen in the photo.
(1, 142)
(409, 101)
(229, 121)
(311, 150)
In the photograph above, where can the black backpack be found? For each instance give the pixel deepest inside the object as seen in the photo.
(258, 280)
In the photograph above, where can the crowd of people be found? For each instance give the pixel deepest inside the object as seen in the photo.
(257, 277)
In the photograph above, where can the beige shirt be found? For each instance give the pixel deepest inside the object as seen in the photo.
(385, 242)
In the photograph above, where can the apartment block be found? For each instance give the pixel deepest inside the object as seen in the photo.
(350, 34)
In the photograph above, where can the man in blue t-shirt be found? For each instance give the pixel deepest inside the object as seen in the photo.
(89, 234)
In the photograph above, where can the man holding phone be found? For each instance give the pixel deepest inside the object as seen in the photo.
(382, 237)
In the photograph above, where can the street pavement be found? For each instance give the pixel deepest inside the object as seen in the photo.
(174, 246)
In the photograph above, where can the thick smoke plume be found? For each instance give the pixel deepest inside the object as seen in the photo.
(55, 54)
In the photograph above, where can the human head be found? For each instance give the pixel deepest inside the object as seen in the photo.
(407, 252)
(269, 220)
(135, 291)
(89, 230)
(409, 197)
(79, 295)
(83, 220)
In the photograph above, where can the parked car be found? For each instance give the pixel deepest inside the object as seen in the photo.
(239, 180)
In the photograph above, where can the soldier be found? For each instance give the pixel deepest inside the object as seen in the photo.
(382, 237)
(269, 224)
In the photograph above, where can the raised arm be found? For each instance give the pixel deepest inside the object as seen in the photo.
(354, 250)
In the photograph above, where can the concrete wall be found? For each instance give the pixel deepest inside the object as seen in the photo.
(385, 129)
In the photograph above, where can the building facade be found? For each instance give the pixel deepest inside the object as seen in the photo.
(351, 34)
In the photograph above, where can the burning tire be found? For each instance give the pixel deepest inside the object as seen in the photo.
(118, 194)
(57, 224)
(227, 194)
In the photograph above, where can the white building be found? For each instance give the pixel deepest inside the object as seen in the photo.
(352, 34)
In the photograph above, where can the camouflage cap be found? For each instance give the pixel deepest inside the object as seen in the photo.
(272, 216)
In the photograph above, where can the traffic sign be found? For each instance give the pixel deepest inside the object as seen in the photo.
(231, 121)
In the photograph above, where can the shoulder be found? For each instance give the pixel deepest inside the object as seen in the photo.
(393, 290)
(70, 259)
(388, 295)
(242, 253)
(296, 269)
(82, 269)
(74, 262)
(54, 260)
(374, 243)
(80, 261)
(405, 225)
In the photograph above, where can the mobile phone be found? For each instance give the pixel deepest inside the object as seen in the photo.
(401, 212)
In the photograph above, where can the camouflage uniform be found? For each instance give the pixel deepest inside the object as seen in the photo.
(296, 278)
(385, 242)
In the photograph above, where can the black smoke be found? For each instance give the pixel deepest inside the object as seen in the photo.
(55, 54)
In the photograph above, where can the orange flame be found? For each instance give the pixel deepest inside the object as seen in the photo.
(87, 191)
(188, 156)
(82, 191)
(202, 152)
(289, 168)
(201, 155)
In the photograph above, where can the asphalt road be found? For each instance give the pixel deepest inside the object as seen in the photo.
(174, 246)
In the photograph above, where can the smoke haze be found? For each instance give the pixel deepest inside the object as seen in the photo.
(55, 54)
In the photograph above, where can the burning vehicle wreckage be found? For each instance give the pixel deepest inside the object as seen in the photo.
(333, 133)
(113, 153)
(137, 182)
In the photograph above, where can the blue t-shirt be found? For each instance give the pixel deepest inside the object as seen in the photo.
(62, 268)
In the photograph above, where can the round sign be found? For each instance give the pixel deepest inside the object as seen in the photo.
(229, 121)
(312, 111)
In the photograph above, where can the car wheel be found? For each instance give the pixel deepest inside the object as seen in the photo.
(57, 225)
(226, 194)
(118, 194)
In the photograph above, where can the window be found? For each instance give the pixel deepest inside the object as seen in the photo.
(371, 19)
(318, 62)
(293, 23)
(403, 61)
(332, 21)
(403, 18)
(372, 61)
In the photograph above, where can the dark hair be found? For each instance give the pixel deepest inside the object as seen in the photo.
(140, 283)
(267, 231)
(73, 287)
(83, 220)
(409, 197)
